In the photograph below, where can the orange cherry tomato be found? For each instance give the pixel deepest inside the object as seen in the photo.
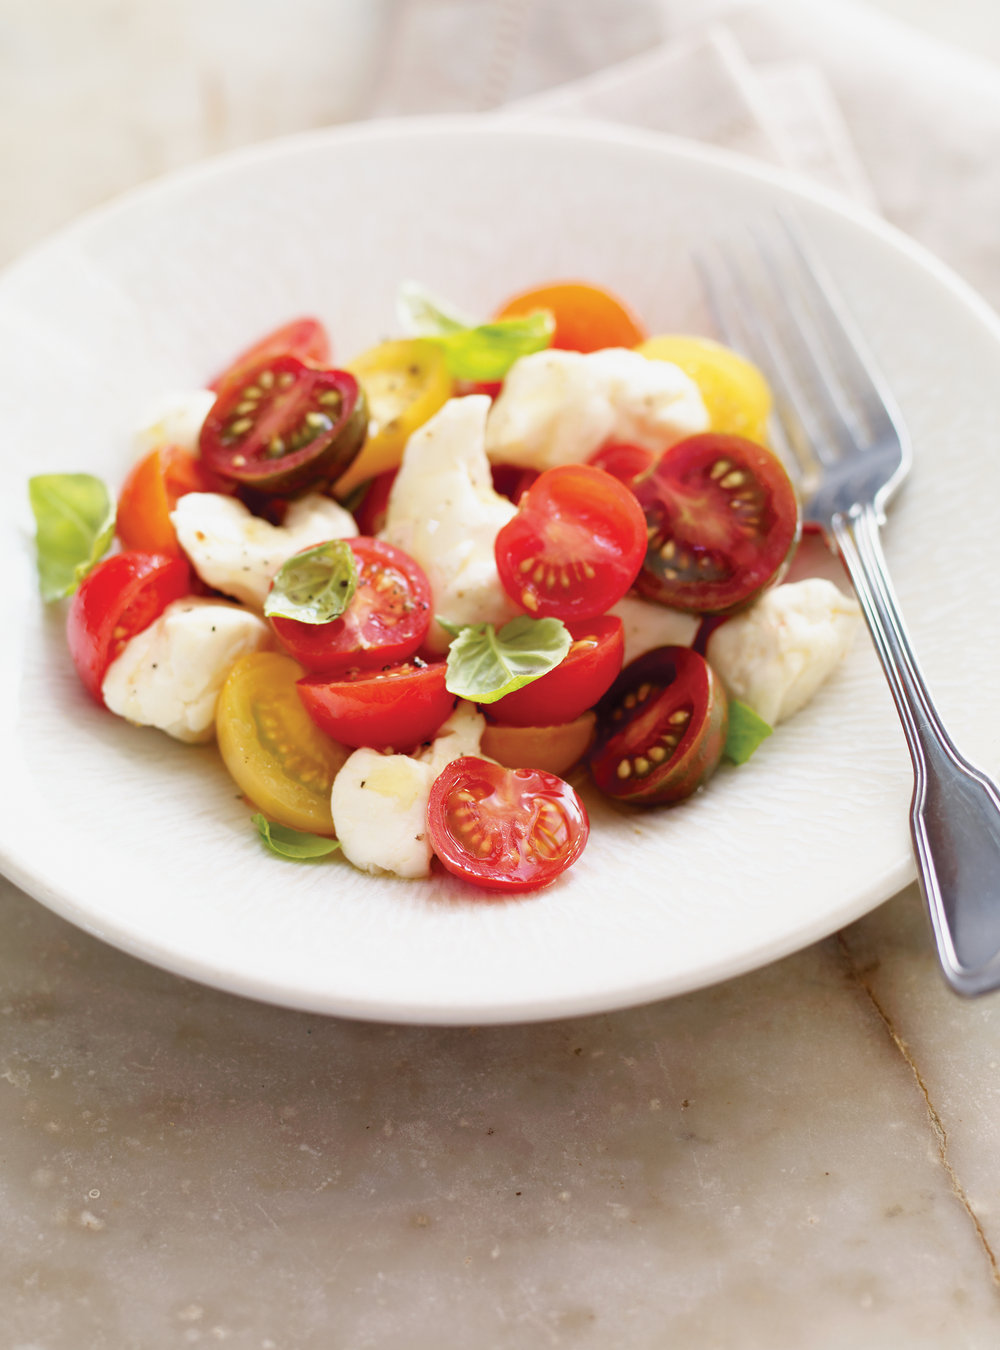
(587, 317)
(151, 492)
(554, 749)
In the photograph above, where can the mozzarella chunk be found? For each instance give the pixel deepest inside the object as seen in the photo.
(239, 554)
(174, 419)
(444, 512)
(379, 802)
(460, 735)
(776, 655)
(379, 806)
(648, 624)
(559, 407)
(169, 675)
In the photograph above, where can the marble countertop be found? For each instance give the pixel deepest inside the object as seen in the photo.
(807, 1156)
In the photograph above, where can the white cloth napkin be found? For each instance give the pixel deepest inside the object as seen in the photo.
(854, 99)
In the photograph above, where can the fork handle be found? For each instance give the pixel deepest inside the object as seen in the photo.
(955, 812)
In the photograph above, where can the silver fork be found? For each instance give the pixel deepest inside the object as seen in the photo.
(838, 421)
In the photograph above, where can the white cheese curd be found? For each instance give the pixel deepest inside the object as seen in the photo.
(460, 735)
(648, 624)
(776, 655)
(379, 802)
(239, 554)
(559, 407)
(379, 807)
(174, 419)
(169, 675)
(444, 513)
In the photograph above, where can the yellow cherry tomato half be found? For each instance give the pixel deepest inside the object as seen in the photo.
(554, 749)
(405, 382)
(271, 746)
(736, 394)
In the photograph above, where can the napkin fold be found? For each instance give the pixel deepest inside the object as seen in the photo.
(850, 97)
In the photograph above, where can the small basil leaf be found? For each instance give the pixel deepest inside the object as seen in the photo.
(424, 315)
(75, 523)
(316, 585)
(453, 629)
(746, 731)
(483, 664)
(473, 351)
(288, 843)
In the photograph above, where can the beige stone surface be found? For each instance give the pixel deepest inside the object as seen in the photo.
(759, 1164)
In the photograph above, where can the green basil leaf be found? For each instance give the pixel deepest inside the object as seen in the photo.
(75, 523)
(746, 731)
(483, 664)
(425, 315)
(316, 585)
(288, 843)
(473, 351)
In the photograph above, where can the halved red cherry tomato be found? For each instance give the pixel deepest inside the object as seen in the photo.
(398, 708)
(305, 338)
(723, 521)
(575, 545)
(150, 493)
(577, 682)
(512, 480)
(285, 426)
(587, 317)
(371, 511)
(625, 462)
(384, 623)
(505, 829)
(119, 598)
(661, 728)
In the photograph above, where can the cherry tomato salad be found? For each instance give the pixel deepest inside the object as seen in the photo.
(409, 597)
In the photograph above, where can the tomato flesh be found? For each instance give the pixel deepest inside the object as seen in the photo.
(577, 682)
(661, 728)
(625, 462)
(305, 338)
(587, 317)
(274, 752)
(384, 623)
(371, 511)
(722, 519)
(512, 480)
(575, 545)
(151, 491)
(119, 598)
(505, 829)
(284, 427)
(385, 709)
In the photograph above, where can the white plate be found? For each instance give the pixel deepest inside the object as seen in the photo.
(143, 841)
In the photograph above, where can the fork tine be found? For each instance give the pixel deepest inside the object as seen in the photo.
(856, 366)
(810, 337)
(758, 340)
